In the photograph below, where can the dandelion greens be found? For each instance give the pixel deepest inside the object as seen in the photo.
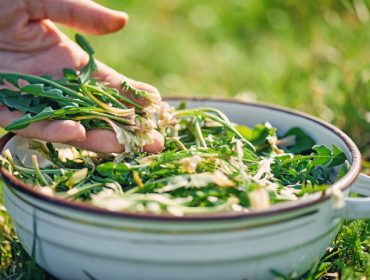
(208, 164)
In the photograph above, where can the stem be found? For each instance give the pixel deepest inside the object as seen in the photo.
(126, 100)
(115, 111)
(202, 110)
(233, 129)
(178, 143)
(32, 171)
(108, 95)
(199, 135)
(103, 117)
(222, 120)
(242, 167)
(39, 177)
(76, 192)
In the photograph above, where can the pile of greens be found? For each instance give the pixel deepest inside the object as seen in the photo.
(79, 97)
(208, 164)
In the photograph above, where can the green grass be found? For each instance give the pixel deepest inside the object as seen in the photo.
(312, 56)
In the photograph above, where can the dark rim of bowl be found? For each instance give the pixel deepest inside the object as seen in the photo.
(279, 208)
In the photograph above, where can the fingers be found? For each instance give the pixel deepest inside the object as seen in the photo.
(157, 145)
(51, 131)
(84, 15)
(99, 140)
(51, 61)
(17, 34)
(105, 141)
(73, 133)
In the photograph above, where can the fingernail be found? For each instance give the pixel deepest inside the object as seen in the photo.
(125, 15)
(80, 133)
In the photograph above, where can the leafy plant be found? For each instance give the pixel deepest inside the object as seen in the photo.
(207, 166)
(208, 163)
(80, 97)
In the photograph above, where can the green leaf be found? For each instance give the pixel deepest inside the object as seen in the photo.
(257, 135)
(244, 130)
(53, 93)
(90, 67)
(118, 172)
(324, 155)
(303, 141)
(70, 74)
(27, 119)
(84, 44)
(338, 157)
(78, 97)
(38, 90)
(21, 102)
(182, 105)
(343, 171)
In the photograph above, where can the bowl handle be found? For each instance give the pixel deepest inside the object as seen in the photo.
(357, 207)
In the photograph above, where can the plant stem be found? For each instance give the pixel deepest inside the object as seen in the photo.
(39, 177)
(103, 116)
(232, 128)
(199, 135)
(108, 95)
(178, 143)
(115, 111)
(188, 112)
(76, 192)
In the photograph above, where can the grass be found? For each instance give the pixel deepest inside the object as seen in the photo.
(311, 56)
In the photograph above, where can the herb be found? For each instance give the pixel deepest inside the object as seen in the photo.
(213, 171)
(82, 98)
(208, 163)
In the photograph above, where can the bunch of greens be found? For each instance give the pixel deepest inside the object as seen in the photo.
(78, 96)
(208, 164)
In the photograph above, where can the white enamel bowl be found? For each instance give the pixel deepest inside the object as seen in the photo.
(77, 241)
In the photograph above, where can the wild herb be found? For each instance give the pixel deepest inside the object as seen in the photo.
(208, 164)
(208, 168)
(80, 97)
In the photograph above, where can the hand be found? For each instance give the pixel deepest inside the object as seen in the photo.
(30, 43)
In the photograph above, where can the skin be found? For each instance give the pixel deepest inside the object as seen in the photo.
(31, 43)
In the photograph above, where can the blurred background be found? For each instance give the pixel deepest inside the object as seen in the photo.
(312, 56)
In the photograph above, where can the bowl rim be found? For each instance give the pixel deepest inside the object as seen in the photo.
(283, 207)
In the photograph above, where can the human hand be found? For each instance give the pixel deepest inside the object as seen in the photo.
(30, 43)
